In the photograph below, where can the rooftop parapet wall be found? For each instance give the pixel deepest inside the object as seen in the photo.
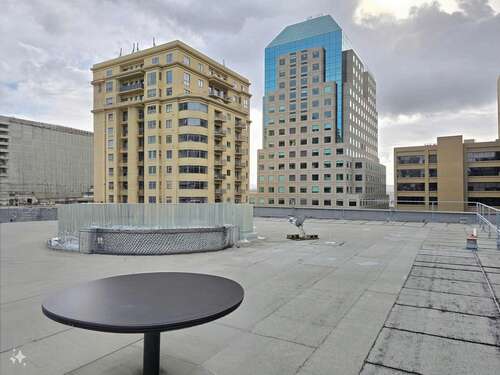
(368, 214)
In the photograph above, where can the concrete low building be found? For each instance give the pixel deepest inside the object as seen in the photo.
(447, 174)
(44, 163)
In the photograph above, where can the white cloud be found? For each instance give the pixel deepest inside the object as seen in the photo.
(435, 71)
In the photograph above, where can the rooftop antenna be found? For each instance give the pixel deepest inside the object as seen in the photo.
(137, 46)
(133, 47)
(120, 51)
(223, 62)
(154, 44)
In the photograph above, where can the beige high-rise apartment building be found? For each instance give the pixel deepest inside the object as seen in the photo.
(445, 175)
(320, 139)
(171, 125)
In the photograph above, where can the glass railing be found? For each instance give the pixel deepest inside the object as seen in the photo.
(132, 86)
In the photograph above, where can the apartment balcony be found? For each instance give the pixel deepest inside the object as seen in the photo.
(132, 87)
(238, 152)
(219, 133)
(238, 164)
(240, 138)
(219, 148)
(219, 162)
(239, 125)
(219, 177)
(219, 80)
(219, 191)
(218, 95)
(129, 73)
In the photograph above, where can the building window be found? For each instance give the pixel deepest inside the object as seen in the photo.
(169, 77)
(187, 79)
(198, 169)
(152, 185)
(109, 101)
(193, 185)
(152, 170)
(193, 106)
(193, 122)
(411, 159)
(151, 93)
(187, 60)
(168, 108)
(193, 154)
(109, 86)
(152, 154)
(201, 83)
(193, 138)
(151, 78)
(155, 60)
(152, 199)
(170, 58)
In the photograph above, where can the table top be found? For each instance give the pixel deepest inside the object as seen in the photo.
(145, 302)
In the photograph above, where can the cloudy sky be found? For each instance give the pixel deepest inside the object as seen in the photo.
(435, 62)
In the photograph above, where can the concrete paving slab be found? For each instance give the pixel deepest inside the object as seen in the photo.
(347, 346)
(464, 253)
(493, 277)
(458, 326)
(448, 286)
(128, 361)
(471, 276)
(370, 369)
(30, 324)
(424, 354)
(65, 351)
(457, 260)
(252, 354)
(483, 306)
(447, 266)
(490, 260)
(197, 344)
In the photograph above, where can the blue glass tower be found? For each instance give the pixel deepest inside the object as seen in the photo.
(320, 134)
(322, 32)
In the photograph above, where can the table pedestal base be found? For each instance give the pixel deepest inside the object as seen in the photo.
(151, 363)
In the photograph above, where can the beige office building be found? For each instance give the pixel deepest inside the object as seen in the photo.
(171, 125)
(446, 174)
(320, 139)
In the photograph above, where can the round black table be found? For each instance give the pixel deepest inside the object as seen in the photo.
(148, 303)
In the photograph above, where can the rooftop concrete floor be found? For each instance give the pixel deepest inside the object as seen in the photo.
(368, 297)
